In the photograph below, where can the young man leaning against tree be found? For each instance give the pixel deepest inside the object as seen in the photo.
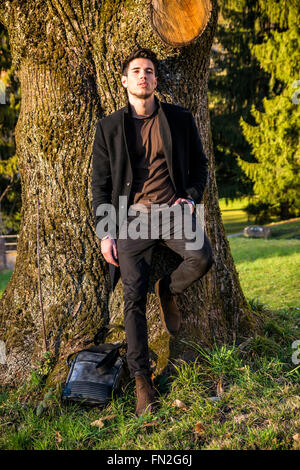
(149, 154)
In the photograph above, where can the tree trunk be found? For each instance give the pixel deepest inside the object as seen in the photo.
(68, 55)
(285, 213)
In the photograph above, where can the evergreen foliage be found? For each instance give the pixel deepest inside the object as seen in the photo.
(274, 137)
(237, 81)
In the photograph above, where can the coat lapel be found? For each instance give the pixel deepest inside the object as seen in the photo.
(125, 115)
(166, 139)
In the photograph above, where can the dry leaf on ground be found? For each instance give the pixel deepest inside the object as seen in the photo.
(240, 418)
(199, 428)
(99, 423)
(179, 404)
(108, 417)
(58, 437)
(152, 423)
(220, 389)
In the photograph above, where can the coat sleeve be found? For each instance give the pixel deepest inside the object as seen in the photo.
(101, 173)
(198, 164)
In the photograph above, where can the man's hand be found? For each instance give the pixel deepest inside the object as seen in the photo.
(109, 251)
(181, 199)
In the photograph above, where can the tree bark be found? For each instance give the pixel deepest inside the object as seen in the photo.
(68, 54)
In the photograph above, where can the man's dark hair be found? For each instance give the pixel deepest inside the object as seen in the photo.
(140, 53)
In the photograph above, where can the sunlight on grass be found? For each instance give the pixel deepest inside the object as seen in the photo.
(235, 219)
(233, 215)
(228, 205)
(5, 276)
(269, 270)
(257, 406)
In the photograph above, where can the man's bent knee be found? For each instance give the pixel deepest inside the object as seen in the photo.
(202, 263)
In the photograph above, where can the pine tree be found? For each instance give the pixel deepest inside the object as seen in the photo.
(275, 136)
(236, 83)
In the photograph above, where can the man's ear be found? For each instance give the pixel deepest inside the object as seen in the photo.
(124, 81)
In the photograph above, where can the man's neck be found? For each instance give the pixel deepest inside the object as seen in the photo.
(142, 108)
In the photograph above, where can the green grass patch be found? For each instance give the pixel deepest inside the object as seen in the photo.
(235, 219)
(286, 231)
(235, 396)
(268, 269)
(234, 216)
(5, 276)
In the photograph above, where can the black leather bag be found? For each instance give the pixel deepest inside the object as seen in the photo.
(95, 373)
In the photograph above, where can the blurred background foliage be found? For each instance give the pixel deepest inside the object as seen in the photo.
(10, 185)
(254, 105)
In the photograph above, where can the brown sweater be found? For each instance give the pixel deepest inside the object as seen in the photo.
(151, 179)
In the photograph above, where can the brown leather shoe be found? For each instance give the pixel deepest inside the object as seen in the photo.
(145, 395)
(169, 313)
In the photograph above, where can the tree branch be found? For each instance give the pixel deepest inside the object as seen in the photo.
(180, 22)
(5, 191)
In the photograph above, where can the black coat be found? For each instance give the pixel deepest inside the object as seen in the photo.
(112, 170)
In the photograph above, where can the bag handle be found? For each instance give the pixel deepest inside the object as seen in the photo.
(97, 342)
(108, 361)
(111, 349)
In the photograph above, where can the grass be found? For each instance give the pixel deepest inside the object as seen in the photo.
(235, 218)
(268, 269)
(235, 396)
(5, 276)
(233, 215)
(232, 397)
(285, 230)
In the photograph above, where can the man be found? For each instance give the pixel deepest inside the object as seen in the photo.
(150, 154)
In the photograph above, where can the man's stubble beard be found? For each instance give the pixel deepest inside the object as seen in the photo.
(143, 97)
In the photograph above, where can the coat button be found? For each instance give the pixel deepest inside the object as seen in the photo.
(128, 183)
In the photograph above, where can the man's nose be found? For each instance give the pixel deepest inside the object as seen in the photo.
(142, 73)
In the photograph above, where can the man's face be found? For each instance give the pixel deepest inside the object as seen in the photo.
(140, 80)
